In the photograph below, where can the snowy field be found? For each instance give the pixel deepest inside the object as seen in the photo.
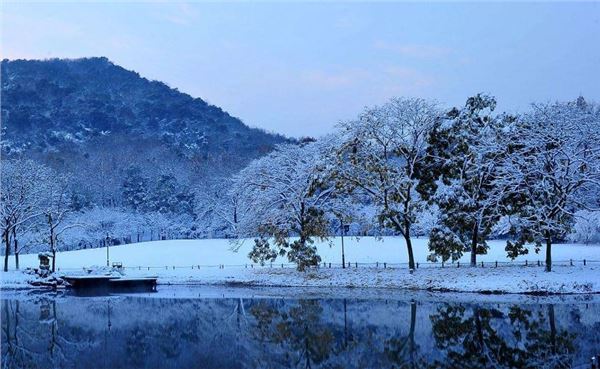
(172, 262)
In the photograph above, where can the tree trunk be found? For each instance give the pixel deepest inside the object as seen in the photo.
(15, 242)
(479, 328)
(552, 328)
(7, 253)
(548, 254)
(411, 258)
(474, 240)
(406, 224)
(53, 260)
(52, 241)
(411, 332)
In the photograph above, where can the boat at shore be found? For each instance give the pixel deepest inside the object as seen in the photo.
(107, 282)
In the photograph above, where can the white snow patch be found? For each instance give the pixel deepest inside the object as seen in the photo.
(172, 262)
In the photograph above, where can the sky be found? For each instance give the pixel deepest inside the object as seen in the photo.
(299, 68)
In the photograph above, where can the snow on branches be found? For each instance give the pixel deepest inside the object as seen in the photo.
(280, 198)
(465, 148)
(551, 170)
(381, 157)
(22, 200)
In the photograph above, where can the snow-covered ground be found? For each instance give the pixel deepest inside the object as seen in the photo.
(172, 262)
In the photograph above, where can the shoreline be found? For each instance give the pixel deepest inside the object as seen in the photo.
(525, 281)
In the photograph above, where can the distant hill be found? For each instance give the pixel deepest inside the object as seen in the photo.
(92, 117)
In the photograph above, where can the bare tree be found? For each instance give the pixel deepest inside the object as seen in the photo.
(217, 207)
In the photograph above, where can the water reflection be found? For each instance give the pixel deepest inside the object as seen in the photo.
(142, 332)
(483, 338)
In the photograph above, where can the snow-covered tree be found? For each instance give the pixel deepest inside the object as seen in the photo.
(56, 207)
(170, 196)
(586, 228)
(96, 224)
(348, 212)
(381, 156)
(551, 171)
(464, 151)
(280, 198)
(21, 197)
(135, 189)
(217, 208)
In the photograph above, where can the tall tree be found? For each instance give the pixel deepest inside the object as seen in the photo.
(57, 206)
(135, 189)
(552, 170)
(280, 198)
(21, 196)
(217, 208)
(382, 156)
(464, 151)
(170, 196)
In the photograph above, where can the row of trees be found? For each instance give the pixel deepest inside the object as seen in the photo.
(33, 197)
(476, 170)
(41, 212)
(408, 168)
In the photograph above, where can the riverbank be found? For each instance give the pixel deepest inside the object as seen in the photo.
(505, 279)
(374, 264)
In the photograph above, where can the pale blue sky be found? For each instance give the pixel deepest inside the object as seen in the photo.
(298, 68)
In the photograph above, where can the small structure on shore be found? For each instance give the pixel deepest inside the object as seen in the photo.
(44, 258)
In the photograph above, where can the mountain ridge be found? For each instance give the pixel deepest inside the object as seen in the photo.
(27, 83)
(95, 119)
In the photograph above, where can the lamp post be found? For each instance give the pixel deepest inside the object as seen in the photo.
(343, 255)
(107, 241)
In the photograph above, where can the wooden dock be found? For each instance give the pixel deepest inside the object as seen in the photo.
(88, 281)
(129, 284)
(109, 283)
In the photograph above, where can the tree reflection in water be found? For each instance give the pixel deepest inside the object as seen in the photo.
(487, 338)
(137, 332)
(402, 351)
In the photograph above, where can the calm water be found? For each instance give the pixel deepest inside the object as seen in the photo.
(189, 328)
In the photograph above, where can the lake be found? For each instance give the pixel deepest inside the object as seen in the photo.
(210, 327)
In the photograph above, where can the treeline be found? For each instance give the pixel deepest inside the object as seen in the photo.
(408, 167)
(41, 210)
(528, 177)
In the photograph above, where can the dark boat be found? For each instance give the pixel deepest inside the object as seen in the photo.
(111, 283)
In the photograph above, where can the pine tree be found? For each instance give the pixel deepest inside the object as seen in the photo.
(135, 188)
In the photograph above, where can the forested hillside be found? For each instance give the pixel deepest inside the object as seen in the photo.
(100, 123)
